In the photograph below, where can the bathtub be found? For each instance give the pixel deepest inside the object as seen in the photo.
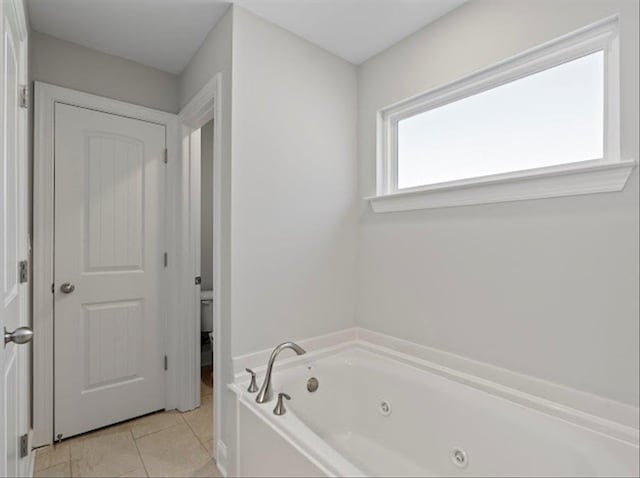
(375, 414)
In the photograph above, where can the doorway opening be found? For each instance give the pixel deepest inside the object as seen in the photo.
(200, 191)
(207, 330)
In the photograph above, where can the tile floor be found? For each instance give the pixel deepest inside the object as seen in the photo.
(161, 444)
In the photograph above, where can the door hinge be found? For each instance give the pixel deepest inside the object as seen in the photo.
(166, 156)
(23, 271)
(166, 363)
(24, 445)
(23, 93)
(198, 280)
(166, 259)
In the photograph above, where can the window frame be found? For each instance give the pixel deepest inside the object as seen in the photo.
(600, 36)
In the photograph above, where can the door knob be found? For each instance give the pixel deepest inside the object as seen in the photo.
(67, 287)
(22, 335)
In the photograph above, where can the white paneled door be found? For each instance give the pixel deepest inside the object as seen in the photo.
(109, 261)
(14, 250)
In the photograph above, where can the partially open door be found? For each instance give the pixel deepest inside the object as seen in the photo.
(14, 250)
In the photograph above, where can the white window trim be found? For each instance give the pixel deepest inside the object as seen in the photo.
(594, 176)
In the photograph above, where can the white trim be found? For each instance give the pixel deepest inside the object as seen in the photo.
(201, 108)
(604, 415)
(599, 36)
(185, 292)
(46, 96)
(221, 457)
(195, 206)
(586, 177)
(204, 106)
(20, 16)
(31, 464)
(31, 458)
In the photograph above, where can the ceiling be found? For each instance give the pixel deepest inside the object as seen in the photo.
(355, 30)
(165, 34)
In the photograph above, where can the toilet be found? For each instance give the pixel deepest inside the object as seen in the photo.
(206, 311)
(206, 327)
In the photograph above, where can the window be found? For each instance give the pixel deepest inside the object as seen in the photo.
(551, 117)
(499, 133)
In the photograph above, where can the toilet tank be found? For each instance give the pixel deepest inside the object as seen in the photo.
(206, 311)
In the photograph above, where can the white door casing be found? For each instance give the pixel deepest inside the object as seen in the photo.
(109, 245)
(195, 163)
(46, 97)
(14, 247)
(206, 105)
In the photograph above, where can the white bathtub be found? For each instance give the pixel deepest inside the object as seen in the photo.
(377, 415)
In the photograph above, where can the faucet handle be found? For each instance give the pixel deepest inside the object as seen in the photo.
(253, 386)
(280, 410)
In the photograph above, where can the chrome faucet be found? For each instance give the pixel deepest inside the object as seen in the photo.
(280, 409)
(265, 394)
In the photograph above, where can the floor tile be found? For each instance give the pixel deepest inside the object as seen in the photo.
(205, 390)
(139, 473)
(51, 455)
(173, 452)
(169, 444)
(111, 430)
(59, 470)
(201, 419)
(105, 455)
(209, 446)
(207, 470)
(155, 423)
(206, 382)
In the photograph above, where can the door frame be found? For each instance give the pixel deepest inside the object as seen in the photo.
(204, 106)
(46, 96)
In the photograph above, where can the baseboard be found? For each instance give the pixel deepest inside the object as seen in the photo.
(32, 457)
(221, 457)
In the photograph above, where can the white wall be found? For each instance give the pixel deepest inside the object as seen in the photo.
(533, 286)
(294, 182)
(213, 56)
(206, 206)
(73, 66)
(290, 206)
(549, 287)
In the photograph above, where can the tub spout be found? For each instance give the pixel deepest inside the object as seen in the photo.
(265, 394)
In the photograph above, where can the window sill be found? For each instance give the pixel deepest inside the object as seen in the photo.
(587, 177)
